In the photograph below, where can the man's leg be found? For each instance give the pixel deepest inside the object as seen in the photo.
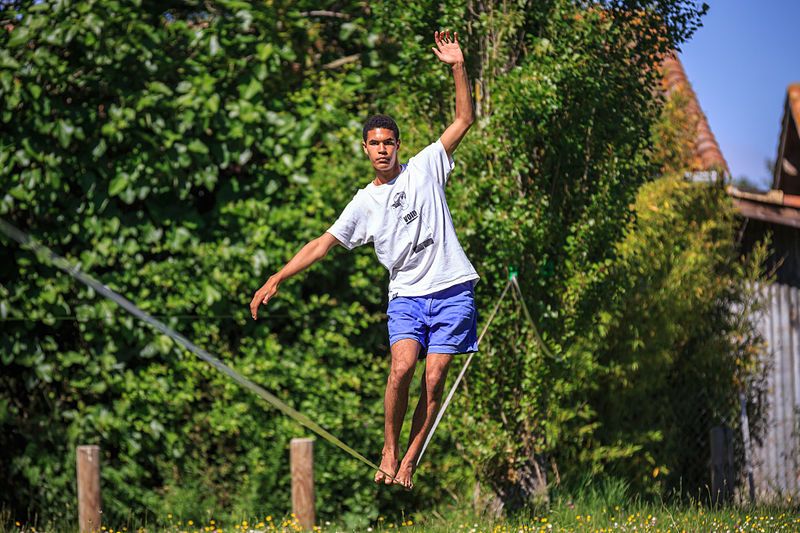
(432, 387)
(395, 403)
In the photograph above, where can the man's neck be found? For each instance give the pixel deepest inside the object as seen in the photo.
(385, 176)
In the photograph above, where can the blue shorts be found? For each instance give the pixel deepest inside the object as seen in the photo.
(445, 321)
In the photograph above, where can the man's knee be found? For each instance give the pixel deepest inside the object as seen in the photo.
(434, 381)
(401, 373)
(404, 361)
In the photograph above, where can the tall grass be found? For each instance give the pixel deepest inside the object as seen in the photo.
(593, 506)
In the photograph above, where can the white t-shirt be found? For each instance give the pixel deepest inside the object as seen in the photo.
(410, 224)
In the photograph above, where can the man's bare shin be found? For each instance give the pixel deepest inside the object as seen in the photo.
(395, 401)
(433, 381)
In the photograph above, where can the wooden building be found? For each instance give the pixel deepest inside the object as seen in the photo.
(776, 456)
(777, 213)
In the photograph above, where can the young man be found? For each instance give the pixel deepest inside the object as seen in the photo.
(431, 310)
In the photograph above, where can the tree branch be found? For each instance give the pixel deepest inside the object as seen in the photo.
(325, 13)
(336, 63)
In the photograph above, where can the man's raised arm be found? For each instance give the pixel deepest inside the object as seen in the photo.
(449, 51)
(312, 252)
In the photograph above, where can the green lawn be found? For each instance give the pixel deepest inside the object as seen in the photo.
(564, 515)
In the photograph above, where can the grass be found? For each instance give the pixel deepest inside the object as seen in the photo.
(606, 509)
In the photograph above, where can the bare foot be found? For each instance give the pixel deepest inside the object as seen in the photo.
(404, 475)
(389, 465)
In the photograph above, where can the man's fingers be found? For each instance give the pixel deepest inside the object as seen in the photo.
(445, 37)
(255, 303)
(262, 296)
(268, 294)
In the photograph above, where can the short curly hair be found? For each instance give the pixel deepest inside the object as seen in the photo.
(380, 121)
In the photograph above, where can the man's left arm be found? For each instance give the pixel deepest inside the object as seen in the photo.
(449, 51)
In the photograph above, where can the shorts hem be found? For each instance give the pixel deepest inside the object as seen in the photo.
(451, 350)
(402, 336)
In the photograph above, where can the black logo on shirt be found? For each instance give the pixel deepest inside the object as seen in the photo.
(400, 200)
(410, 216)
(424, 244)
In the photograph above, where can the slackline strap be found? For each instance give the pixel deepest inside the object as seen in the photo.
(440, 414)
(512, 280)
(44, 254)
(538, 337)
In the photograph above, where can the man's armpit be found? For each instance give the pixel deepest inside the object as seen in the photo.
(330, 240)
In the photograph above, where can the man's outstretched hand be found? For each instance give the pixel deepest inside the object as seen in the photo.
(263, 295)
(447, 48)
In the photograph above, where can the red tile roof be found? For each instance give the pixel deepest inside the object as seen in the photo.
(793, 96)
(707, 153)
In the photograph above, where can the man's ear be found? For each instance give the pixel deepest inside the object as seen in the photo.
(364, 147)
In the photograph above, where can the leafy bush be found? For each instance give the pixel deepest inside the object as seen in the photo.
(182, 152)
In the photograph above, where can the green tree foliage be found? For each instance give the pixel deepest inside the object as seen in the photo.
(181, 152)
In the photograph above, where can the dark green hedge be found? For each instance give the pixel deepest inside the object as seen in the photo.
(181, 152)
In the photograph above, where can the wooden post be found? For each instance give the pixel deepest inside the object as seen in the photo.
(88, 462)
(748, 461)
(301, 457)
(722, 471)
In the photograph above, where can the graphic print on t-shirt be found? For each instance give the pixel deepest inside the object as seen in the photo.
(400, 206)
(400, 200)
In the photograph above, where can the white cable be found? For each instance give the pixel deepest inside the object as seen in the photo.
(440, 414)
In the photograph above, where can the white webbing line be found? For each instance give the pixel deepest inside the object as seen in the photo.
(440, 414)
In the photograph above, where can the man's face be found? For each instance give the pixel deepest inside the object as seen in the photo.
(381, 147)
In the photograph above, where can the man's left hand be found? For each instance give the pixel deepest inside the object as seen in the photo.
(447, 48)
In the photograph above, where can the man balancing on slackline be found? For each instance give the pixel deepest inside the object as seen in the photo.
(431, 282)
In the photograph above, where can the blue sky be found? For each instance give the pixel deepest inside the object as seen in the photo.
(739, 64)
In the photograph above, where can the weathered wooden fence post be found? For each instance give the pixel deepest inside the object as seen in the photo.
(301, 457)
(722, 473)
(88, 463)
